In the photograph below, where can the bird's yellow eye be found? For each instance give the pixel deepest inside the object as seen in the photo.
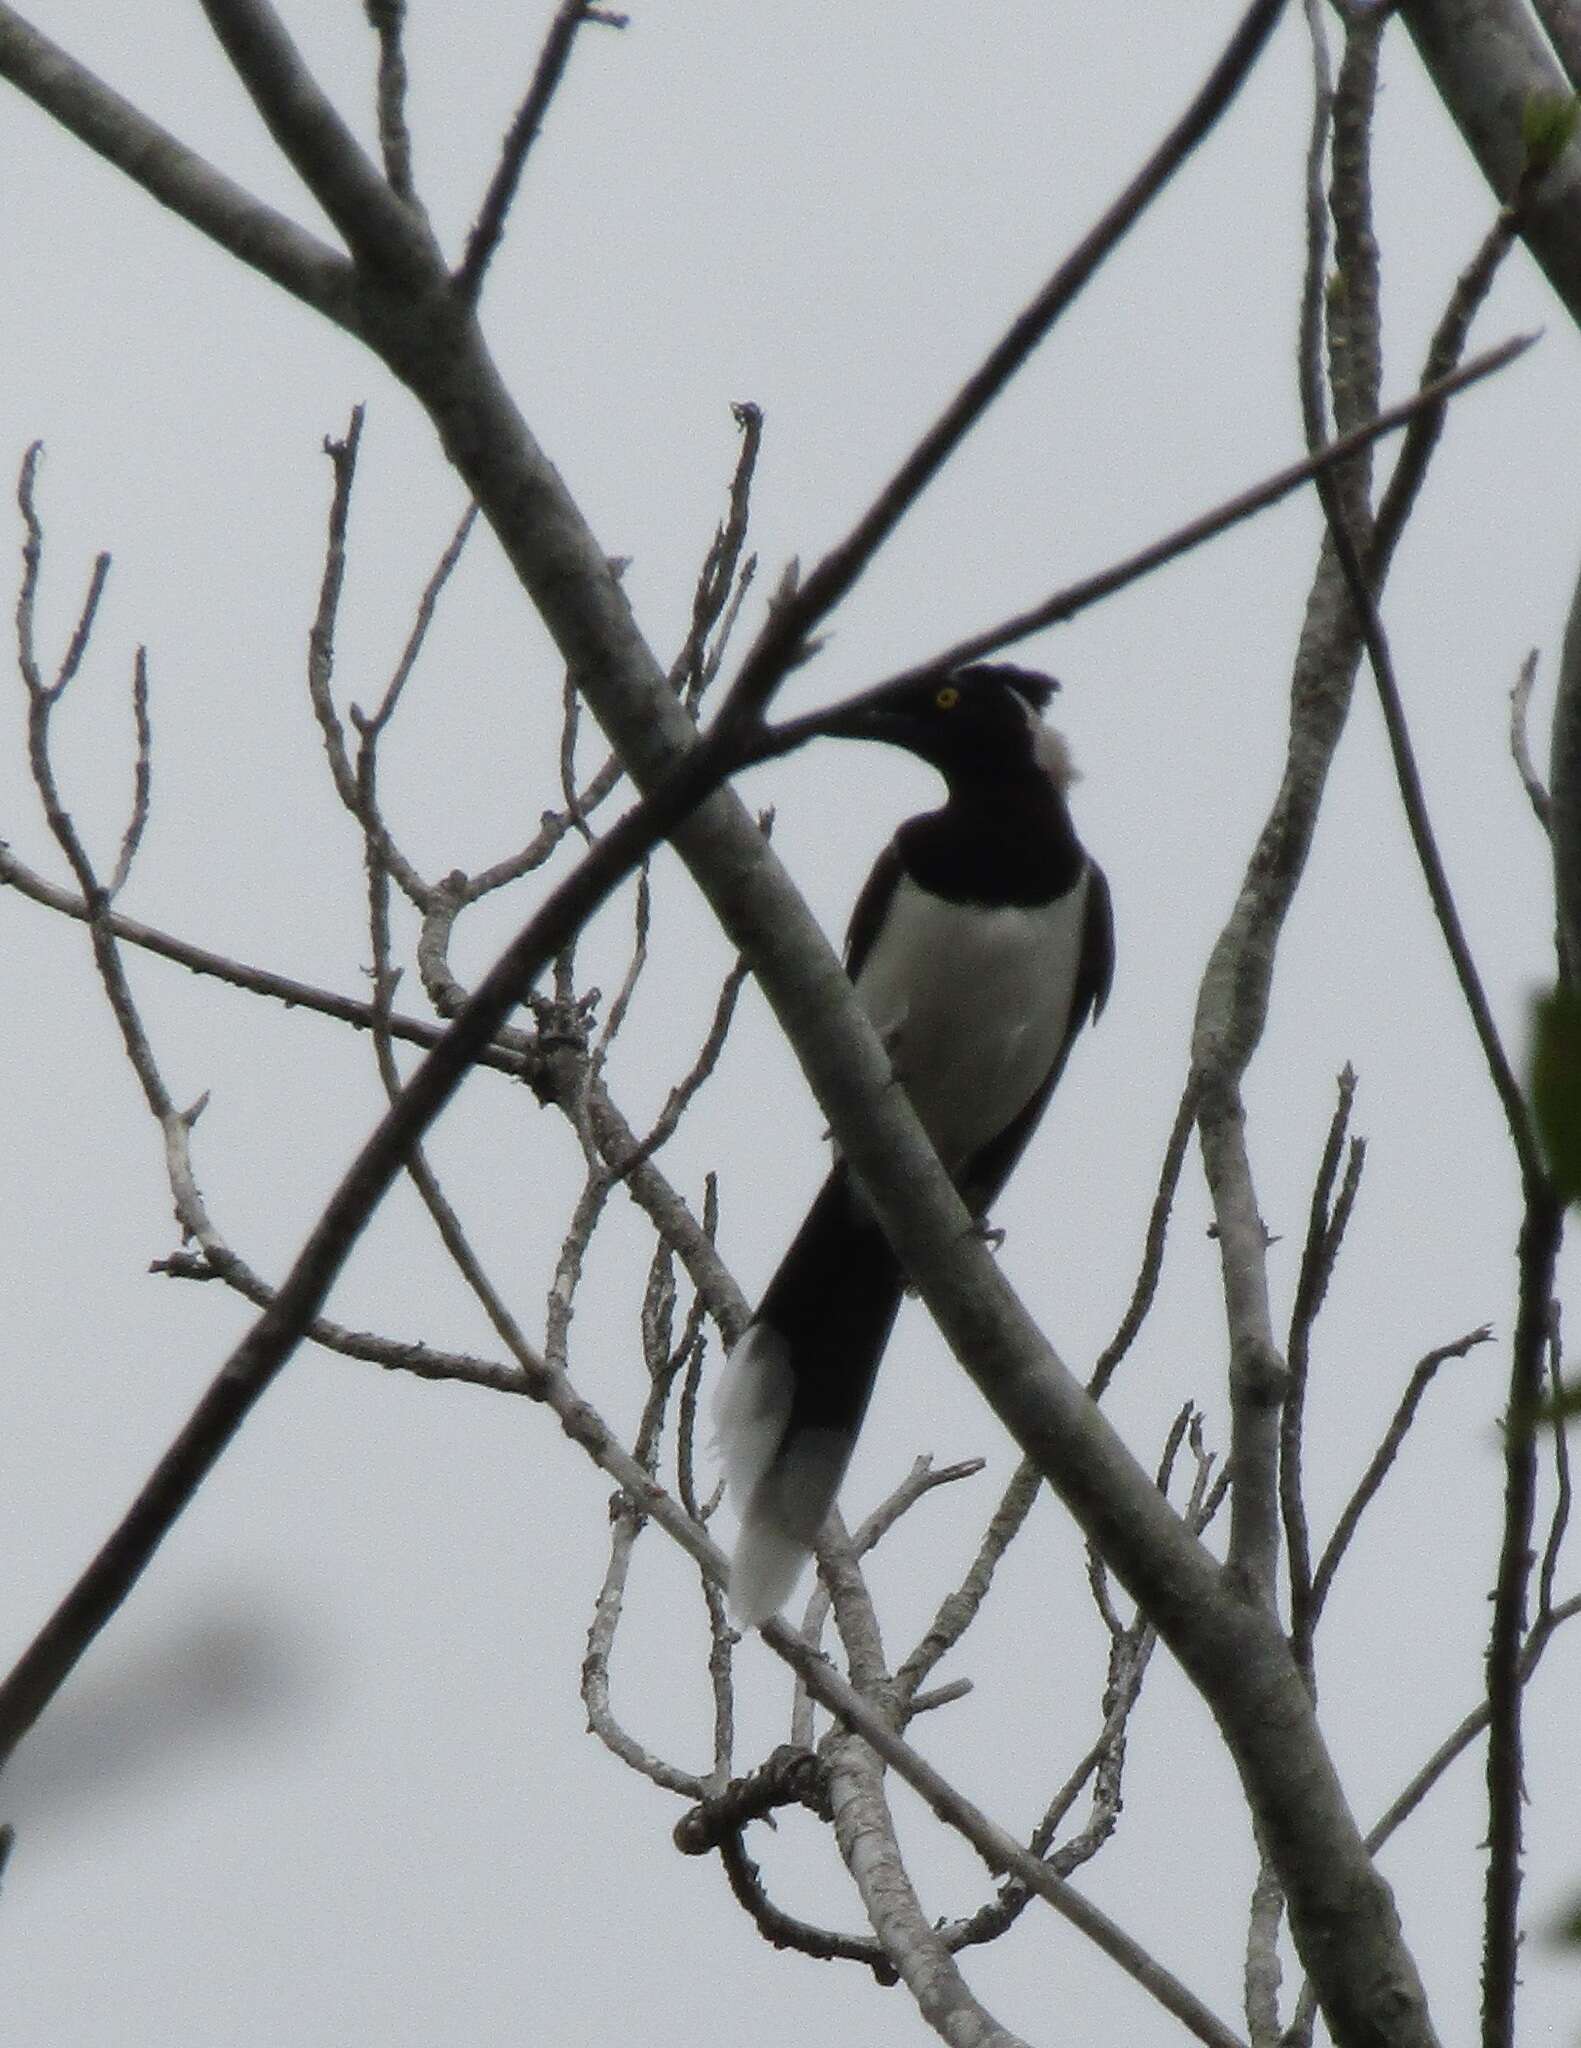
(947, 698)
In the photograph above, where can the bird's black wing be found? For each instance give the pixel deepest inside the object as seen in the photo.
(868, 913)
(988, 1169)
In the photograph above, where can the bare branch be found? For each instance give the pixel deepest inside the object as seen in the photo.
(1559, 1521)
(865, 1833)
(392, 1354)
(642, 907)
(685, 1090)
(1103, 1764)
(519, 139)
(1487, 62)
(142, 775)
(321, 634)
(426, 605)
(1231, 1004)
(1325, 1224)
(694, 667)
(1382, 1459)
(1414, 801)
(356, 785)
(173, 174)
(378, 226)
(1065, 604)
(423, 1178)
(1461, 1738)
(215, 1259)
(789, 1776)
(923, 1478)
(625, 1526)
(1309, 354)
(388, 20)
(580, 806)
(1443, 353)
(1520, 747)
(254, 1363)
(1542, 1227)
(1152, 1248)
(784, 639)
(783, 1931)
(959, 1609)
(514, 1054)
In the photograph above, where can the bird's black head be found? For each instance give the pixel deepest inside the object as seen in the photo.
(983, 722)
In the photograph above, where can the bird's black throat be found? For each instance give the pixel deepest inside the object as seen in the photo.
(1011, 844)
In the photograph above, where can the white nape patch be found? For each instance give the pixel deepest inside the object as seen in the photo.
(1053, 754)
(751, 1409)
(973, 1004)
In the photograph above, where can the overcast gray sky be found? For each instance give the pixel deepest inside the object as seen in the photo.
(384, 1821)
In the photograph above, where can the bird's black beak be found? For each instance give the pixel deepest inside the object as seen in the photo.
(861, 719)
(868, 717)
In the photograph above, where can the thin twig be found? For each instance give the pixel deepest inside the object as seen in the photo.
(924, 1478)
(1309, 354)
(685, 1090)
(1103, 1764)
(514, 1053)
(142, 776)
(388, 20)
(1414, 801)
(391, 1354)
(356, 785)
(960, 1608)
(1382, 1459)
(1443, 352)
(1461, 1738)
(426, 604)
(1316, 1264)
(693, 667)
(263, 1351)
(570, 725)
(1559, 1521)
(625, 1526)
(1520, 748)
(422, 1176)
(783, 1930)
(784, 640)
(321, 634)
(1152, 1248)
(519, 139)
(1542, 1228)
(1074, 598)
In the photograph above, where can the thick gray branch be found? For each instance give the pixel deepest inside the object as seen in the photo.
(1487, 58)
(175, 175)
(377, 224)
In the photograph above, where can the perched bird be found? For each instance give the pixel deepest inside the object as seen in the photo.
(980, 945)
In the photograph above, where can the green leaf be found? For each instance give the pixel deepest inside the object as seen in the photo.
(1559, 1408)
(1548, 123)
(1556, 1087)
(1569, 1928)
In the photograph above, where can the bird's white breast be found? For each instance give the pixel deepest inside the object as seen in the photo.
(973, 1004)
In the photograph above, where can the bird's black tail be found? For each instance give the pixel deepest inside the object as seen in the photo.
(797, 1387)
